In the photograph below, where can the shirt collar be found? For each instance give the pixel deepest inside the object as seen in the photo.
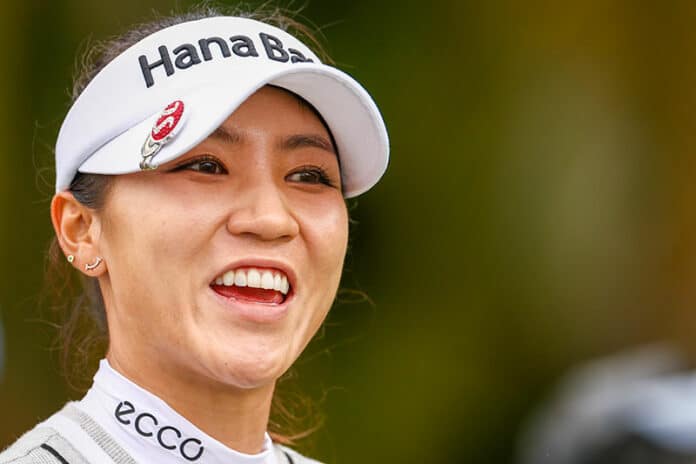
(151, 430)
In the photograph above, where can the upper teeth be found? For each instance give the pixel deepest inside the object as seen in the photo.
(255, 278)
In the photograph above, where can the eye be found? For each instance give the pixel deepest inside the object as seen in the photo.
(206, 165)
(310, 175)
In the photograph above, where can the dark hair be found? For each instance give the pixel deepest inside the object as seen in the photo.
(82, 330)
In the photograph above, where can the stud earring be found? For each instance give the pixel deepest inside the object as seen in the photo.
(71, 258)
(94, 265)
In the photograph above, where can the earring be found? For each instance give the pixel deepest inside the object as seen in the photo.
(71, 258)
(97, 262)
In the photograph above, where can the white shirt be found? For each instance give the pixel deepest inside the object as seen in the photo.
(147, 428)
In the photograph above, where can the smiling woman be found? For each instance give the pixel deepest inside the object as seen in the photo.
(206, 211)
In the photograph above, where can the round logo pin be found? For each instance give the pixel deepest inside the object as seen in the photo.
(165, 128)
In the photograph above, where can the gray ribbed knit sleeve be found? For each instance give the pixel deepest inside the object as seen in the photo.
(42, 445)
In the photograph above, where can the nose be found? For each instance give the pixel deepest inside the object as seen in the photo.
(261, 210)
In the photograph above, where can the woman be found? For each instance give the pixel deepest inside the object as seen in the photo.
(200, 180)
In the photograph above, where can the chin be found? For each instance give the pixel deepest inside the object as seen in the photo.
(252, 371)
(251, 378)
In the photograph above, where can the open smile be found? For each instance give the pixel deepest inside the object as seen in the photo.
(253, 285)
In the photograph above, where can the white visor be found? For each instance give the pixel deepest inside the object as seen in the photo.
(168, 92)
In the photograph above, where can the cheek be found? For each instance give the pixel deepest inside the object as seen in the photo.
(154, 248)
(146, 245)
(149, 223)
(327, 237)
(136, 240)
(325, 234)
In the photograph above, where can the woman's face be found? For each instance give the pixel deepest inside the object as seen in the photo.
(261, 197)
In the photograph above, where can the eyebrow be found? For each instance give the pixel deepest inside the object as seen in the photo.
(225, 135)
(292, 142)
(307, 140)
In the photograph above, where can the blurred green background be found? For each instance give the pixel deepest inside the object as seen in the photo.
(538, 209)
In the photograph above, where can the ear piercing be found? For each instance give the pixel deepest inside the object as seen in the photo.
(94, 265)
(88, 267)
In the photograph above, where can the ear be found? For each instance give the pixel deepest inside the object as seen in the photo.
(78, 229)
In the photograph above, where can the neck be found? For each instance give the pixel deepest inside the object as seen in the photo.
(236, 417)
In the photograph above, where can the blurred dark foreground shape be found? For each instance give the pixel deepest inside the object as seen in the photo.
(638, 407)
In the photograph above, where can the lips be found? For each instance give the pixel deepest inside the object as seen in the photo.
(253, 284)
(249, 294)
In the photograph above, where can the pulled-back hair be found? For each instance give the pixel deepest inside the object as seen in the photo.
(76, 298)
